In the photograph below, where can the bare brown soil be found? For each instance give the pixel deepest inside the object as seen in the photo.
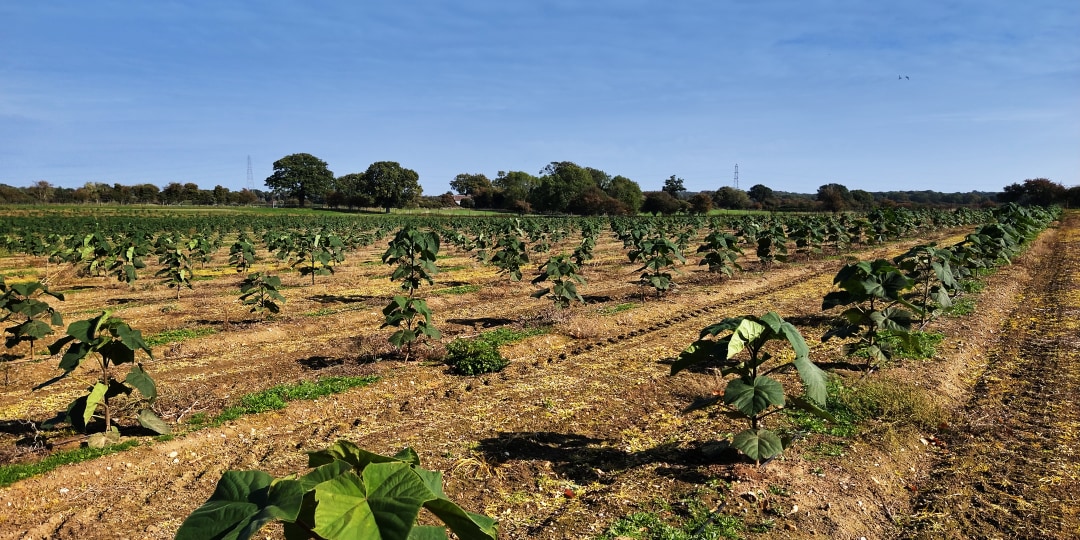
(1009, 466)
(588, 407)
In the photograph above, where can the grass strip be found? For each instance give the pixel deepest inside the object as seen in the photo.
(277, 397)
(9, 474)
(179, 334)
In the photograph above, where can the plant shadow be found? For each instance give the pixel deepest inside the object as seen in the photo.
(340, 299)
(584, 460)
(482, 322)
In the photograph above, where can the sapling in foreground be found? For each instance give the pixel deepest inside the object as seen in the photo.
(754, 394)
(107, 342)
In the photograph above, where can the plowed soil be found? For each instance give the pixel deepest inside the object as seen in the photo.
(584, 426)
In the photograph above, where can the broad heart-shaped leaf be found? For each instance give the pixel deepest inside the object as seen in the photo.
(323, 473)
(242, 503)
(358, 457)
(97, 393)
(84, 331)
(382, 504)
(758, 444)
(466, 525)
(747, 333)
(142, 382)
(754, 396)
(132, 339)
(151, 421)
(698, 351)
(428, 532)
(814, 379)
(117, 353)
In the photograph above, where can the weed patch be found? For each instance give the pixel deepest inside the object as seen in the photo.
(277, 397)
(9, 474)
(460, 289)
(179, 334)
(691, 521)
(893, 402)
(619, 308)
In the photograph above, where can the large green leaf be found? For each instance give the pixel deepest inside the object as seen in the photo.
(747, 334)
(142, 382)
(242, 503)
(153, 422)
(758, 444)
(466, 525)
(754, 396)
(383, 504)
(97, 393)
(814, 379)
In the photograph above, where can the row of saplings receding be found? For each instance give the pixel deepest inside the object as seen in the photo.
(351, 493)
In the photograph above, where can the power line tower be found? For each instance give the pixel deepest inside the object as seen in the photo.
(250, 177)
(736, 176)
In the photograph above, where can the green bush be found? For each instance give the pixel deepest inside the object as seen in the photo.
(474, 357)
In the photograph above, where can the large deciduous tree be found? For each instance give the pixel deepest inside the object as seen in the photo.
(834, 197)
(389, 185)
(731, 198)
(626, 191)
(562, 183)
(1038, 191)
(674, 186)
(303, 176)
(470, 184)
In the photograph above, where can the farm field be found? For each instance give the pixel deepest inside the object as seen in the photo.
(584, 427)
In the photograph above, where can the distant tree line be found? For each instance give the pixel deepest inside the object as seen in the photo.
(43, 192)
(562, 187)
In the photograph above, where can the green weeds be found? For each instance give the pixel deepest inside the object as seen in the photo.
(690, 519)
(179, 334)
(9, 474)
(618, 308)
(277, 397)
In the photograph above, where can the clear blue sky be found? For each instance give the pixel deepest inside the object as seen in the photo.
(798, 93)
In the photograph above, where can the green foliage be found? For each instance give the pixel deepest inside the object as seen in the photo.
(511, 254)
(11, 473)
(303, 176)
(34, 318)
(317, 253)
(242, 254)
(659, 256)
(874, 291)
(721, 250)
(458, 289)
(350, 493)
(414, 252)
(127, 259)
(930, 270)
(110, 342)
(474, 357)
(564, 277)
(690, 520)
(386, 184)
(176, 262)
(914, 346)
(260, 292)
(277, 397)
(844, 421)
(753, 394)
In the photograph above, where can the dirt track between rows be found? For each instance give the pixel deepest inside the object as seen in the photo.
(1012, 469)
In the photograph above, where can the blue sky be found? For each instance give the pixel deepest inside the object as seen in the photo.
(798, 93)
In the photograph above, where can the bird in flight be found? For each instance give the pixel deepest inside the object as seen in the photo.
(902, 77)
